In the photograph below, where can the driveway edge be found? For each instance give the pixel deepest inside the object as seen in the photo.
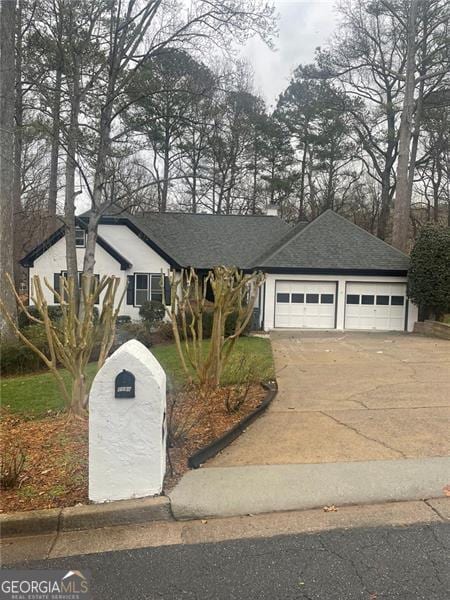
(87, 516)
(212, 449)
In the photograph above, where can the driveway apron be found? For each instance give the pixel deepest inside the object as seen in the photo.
(351, 397)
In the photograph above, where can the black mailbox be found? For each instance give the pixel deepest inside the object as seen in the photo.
(124, 385)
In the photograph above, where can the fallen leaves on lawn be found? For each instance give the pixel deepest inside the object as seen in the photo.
(56, 449)
(200, 419)
(56, 456)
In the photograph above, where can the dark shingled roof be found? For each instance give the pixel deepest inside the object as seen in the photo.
(332, 242)
(204, 240)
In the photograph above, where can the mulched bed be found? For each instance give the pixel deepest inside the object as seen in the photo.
(199, 420)
(56, 458)
(56, 449)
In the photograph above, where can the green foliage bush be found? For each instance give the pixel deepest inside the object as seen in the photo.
(16, 358)
(230, 324)
(54, 312)
(135, 331)
(429, 272)
(152, 313)
(122, 319)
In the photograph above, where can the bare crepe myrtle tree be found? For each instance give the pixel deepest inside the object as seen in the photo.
(72, 338)
(233, 292)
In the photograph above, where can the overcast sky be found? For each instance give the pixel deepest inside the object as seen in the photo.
(303, 25)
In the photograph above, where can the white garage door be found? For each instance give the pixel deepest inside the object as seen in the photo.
(379, 306)
(305, 304)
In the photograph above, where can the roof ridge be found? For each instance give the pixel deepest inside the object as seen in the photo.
(204, 214)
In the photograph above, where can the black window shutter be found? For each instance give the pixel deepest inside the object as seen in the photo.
(167, 291)
(130, 289)
(56, 277)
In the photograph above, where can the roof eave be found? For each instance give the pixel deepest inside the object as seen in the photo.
(333, 271)
(111, 220)
(28, 259)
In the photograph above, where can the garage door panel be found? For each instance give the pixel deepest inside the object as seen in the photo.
(304, 304)
(379, 306)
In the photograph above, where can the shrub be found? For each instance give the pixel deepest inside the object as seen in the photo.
(152, 313)
(207, 320)
(54, 312)
(135, 331)
(16, 358)
(230, 324)
(12, 462)
(243, 371)
(429, 273)
(122, 319)
(164, 333)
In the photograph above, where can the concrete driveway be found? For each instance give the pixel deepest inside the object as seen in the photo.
(351, 397)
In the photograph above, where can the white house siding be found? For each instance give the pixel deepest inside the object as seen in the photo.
(54, 261)
(340, 280)
(143, 258)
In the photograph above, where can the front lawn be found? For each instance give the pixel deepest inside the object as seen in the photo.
(34, 396)
(55, 451)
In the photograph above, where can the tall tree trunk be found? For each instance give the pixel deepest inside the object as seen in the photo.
(69, 205)
(385, 202)
(53, 178)
(386, 174)
(194, 187)
(166, 168)
(301, 210)
(255, 175)
(103, 151)
(7, 81)
(402, 195)
(18, 143)
(419, 107)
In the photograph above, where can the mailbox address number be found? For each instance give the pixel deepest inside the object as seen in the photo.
(125, 385)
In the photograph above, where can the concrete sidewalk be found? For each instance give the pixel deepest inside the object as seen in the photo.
(247, 490)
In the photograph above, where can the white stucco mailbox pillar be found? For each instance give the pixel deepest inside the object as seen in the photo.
(127, 426)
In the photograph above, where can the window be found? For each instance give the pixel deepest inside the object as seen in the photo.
(56, 282)
(367, 299)
(147, 287)
(352, 299)
(283, 298)
(326, 298)
(397, 300)
(80, 237)
(382, 300)
(312, 298)
(298, 298)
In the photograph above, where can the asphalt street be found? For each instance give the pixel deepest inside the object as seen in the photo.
(382, 563)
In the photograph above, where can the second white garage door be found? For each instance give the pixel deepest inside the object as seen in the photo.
(305, 304)
(378, 306)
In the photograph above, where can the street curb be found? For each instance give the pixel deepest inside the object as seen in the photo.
(75, 518)
(209, 451)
